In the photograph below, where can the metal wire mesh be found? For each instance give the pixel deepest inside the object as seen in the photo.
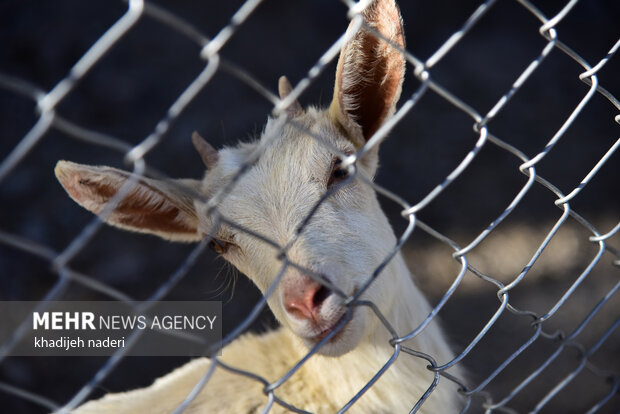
(479, 392)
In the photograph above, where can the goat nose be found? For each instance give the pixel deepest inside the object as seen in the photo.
(303, 300)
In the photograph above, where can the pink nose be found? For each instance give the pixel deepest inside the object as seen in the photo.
(303, 298)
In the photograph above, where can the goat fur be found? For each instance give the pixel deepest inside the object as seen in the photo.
(347, 238)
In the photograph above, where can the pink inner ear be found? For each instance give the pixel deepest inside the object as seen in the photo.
(375, 94)
(371, 71)
(144, 207)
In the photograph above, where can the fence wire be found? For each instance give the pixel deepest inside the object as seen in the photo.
(50, 117)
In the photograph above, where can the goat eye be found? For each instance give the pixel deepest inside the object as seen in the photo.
(219, 246)
(337, 173)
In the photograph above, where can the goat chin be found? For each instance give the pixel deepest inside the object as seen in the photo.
(347, 238)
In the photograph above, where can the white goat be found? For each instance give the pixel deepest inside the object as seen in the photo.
(346, 239)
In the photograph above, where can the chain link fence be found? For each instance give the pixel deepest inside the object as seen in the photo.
(499, 175)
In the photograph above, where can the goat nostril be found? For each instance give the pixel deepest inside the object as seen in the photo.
(303, 302)
(298, 311)
(320, 295)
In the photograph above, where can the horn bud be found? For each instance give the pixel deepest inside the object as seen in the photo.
(284, 89)
(208, 154)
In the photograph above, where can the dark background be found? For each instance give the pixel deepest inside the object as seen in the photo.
(130, 89)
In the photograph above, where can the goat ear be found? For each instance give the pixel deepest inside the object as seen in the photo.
(151, 206)
(370, 73)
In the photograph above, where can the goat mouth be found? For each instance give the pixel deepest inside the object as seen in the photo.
(332, 326)
(344, 319)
